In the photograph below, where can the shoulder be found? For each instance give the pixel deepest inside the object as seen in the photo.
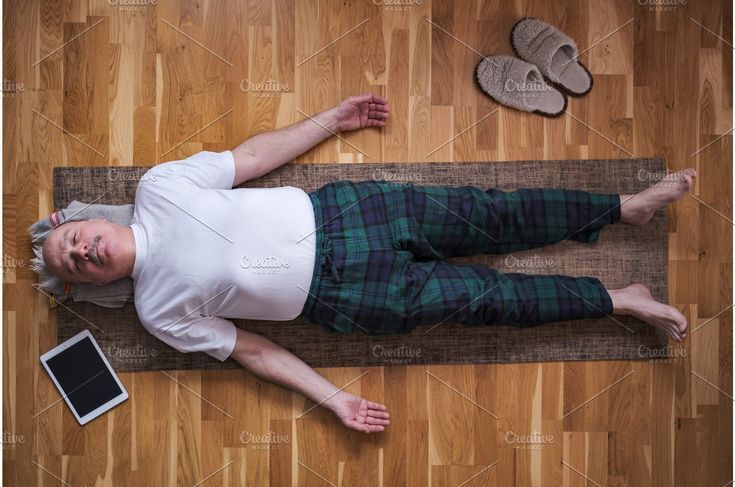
(149, 181)
(205, 169)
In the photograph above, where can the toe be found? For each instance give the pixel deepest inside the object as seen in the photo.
(673, 330)
(675, 335)
(677, 320)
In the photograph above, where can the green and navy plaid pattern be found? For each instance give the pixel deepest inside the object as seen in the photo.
(382, 247)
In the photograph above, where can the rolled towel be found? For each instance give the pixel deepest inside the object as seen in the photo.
(112, 295)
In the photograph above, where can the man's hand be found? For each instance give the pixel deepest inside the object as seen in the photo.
(361, 111)
(358, 413)
(264, 152)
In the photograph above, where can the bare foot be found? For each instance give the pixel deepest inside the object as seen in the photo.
(639, 208)
(636, 300)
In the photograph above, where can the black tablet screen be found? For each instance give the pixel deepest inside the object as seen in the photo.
(84, 377)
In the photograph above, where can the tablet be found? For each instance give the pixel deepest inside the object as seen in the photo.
(84, 377)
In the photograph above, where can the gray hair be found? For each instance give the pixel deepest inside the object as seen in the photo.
(48, 281)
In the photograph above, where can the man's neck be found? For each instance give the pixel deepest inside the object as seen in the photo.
(129, 251)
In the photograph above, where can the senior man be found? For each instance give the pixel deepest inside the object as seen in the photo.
(368, 255)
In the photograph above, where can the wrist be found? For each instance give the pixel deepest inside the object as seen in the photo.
(331, 120)
(333, 400)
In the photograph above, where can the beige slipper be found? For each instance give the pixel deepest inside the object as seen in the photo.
(555, 54)
(517, 84)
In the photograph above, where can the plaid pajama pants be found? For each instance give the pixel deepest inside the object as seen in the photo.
(382, 247)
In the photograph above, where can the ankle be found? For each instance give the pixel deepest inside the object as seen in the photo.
(620, 301)
(634, 209)
(626, 208)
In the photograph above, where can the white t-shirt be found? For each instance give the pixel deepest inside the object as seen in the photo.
(205, 252)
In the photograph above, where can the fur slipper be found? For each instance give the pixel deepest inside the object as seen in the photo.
(555, 54)
(517, 84)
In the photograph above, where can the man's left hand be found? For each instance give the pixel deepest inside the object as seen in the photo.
(358, 413)
(361, 111)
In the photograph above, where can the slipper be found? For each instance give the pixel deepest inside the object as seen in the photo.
(555, 54)
(517, 84)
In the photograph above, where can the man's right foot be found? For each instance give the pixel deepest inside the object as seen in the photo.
(637, 300)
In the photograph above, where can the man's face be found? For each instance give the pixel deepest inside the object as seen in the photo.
(88, 251)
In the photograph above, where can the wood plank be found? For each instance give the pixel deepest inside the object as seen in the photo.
(111, 83)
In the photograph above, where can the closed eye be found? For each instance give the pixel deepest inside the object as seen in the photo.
(74, 241)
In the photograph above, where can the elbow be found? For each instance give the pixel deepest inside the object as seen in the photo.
(247, 347)
(246, 164)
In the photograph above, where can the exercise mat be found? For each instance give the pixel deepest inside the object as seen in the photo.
(622, 255)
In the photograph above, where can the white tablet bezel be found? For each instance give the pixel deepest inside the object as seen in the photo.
(101, 409)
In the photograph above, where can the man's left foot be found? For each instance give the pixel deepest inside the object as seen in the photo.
(638, 209)
(637, 300)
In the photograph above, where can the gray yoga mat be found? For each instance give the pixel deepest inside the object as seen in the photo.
(623, 254)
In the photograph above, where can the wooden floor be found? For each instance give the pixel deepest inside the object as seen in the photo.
(137, 82)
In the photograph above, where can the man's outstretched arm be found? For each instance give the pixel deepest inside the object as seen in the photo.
(274, 363)
(264, 152)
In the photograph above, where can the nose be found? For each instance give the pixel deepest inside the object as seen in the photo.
(80, 250)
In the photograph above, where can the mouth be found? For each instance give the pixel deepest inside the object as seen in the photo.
(96, 255)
